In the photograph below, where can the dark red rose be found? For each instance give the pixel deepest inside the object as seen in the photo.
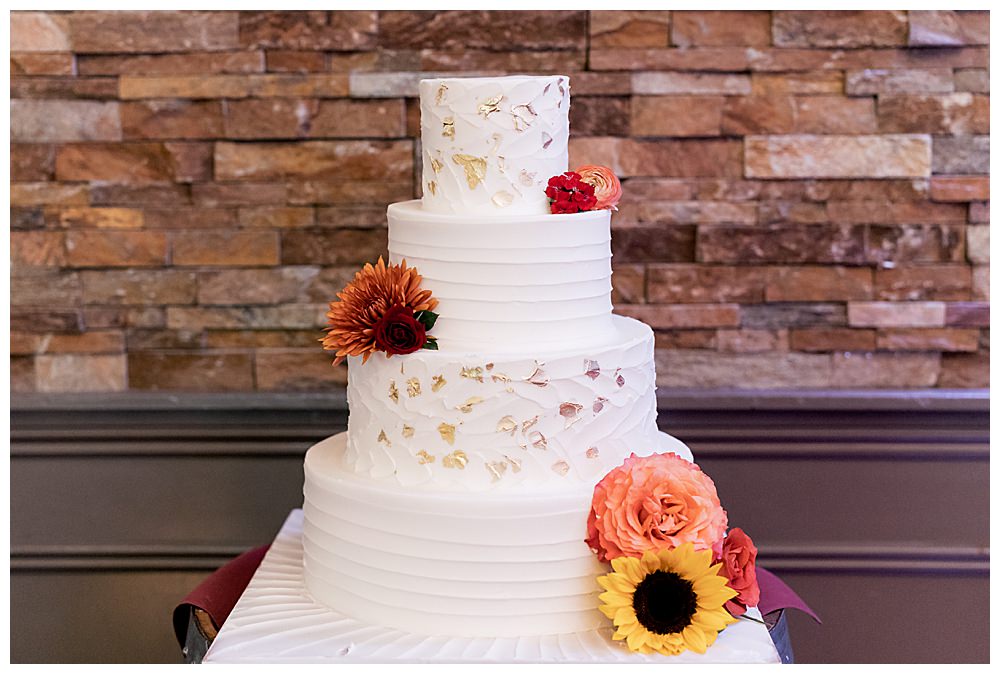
(569, 194)
(739, 567)
(399, 331)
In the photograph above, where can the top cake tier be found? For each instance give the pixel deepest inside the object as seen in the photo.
(490, 144)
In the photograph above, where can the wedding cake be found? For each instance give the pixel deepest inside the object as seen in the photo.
(490, 390)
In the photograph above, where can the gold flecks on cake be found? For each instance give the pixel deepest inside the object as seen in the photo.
(489, 367)
(436, 165)
(490, 105)
(546, 140)
(432, 187)
(472, 373)
(561, 468)
(538, 440)
(515, 464)
(507, 425)
(442, 90)
(523, 116)
(424, 458)
(408, 431)
(502, 165)
(619, 379)
(475, 168)
(599, 403)
(526, 179)
(570, 412)
(592, 453)
(447, 432)
(470, 403)
(456, 459)
(393, 392)
(448, 127)
(538, 377)
(528, 423)
(504, 379)
(592, 368)
(503, 199)
(384, 439)
(413, 387)
(496, 469)
(437, 381)
(495, 139)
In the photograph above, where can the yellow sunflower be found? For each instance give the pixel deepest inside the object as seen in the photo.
(668, 601)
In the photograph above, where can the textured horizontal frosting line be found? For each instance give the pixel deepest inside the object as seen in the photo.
(491, 144)
(498, 279)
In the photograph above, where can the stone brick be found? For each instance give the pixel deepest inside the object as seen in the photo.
(721, 29)
(682, 158)
(894, 213)
(701, 59)
(145, 339)
(629, 29)
(365, 160)
(121, 163)
(974, 80)
(600, 116)
(41, 289)
(683, 315)
(899, 81)
(707, 369)
(114, 248)
(161, 195)
(107, 318)
(47, 319)
(654, 244)
(752, 341)
(337, 118)
(190, 218)
(979, 212)
(704, 284)
(957, 113)
(781, 212)
(190, 63)
(139, 287)
(662, 189)
(39, 32)
(887, 156)
(961, 154)
(22, 375)
(276, 217)
(839, 28)
(64, 373)
(926, 282)
(338, 30)
(660, 83)
(225, 248)
(27, 218)
(834, 114)
(172, 119)
(855, 190)
(332, 246)
(31, 63)
(47, 194)
(885, 370)
(914, 243)
(516, 30)
(234, 86)
(255, 286)
(967, 314)
(288, 61)
(213, 195)
(965, 370)
(629, 284)
(896, 314)
(817, 82)
(294, 316)
(184, 371)
(383, 60)
(831, 339)
(254, 339)
(686, 339)
(981, 283)
(677, 115)
(758, 114)
(960, 188)
(143, 317)
(101, 218)
(825, 244)
(818, 284)
(329, 282)
(686, 212)
(977, 248)
(37, 249)
(536, 62)
(64, 88)
(297, 370)
(31, 162)
(97, 341)
(328, 192)
(352, 216)
(63, 121)
(796, 60)
(928, 339)
(949, 28)
(153, 31)
(793, 315)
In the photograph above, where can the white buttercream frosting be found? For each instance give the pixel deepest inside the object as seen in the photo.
(490, 144)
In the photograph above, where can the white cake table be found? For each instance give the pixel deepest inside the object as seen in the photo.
(277, 621)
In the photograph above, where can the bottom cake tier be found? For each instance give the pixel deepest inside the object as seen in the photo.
(277, 621)
(509, 563)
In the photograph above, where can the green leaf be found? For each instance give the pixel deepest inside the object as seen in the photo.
(428, 318)
(431, 344)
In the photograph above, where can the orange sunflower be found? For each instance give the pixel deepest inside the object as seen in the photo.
(363, 303)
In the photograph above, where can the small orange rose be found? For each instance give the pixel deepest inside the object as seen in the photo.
(607, 187)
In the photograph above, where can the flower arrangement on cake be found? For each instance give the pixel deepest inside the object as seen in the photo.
(589, 188)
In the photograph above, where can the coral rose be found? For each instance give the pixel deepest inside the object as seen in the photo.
(653, 503)
(399, 331)
(739, 566)
(607, 187)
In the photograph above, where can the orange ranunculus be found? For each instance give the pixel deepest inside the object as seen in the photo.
(653, 503)
(607, 187)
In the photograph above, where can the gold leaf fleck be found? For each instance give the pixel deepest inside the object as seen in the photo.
(413, 387)
(592, 453)
(456, 459)
(407, 431)
(432, 187)
(538, 377)
(424, 458)
(546, 140)
(592, 368)
(599, 403)
(619, 379)
(503, 199)
(501, 163)
(448, 127)
(561, 467)
(507, 425)
(496, 469)
(384, 439)
(527, 179)
(447, 432)
(442, 90)
(529, 423)
(438, 381)
(490, 105)
(436, 165)
(538, 440)
(515, 464)
(393, 392)
(473, 373)
(570, 410)
(468, 404)
(489, 367)
(475, 168)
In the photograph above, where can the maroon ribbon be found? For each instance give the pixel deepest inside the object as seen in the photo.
(775, 595)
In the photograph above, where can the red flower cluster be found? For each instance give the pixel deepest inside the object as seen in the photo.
(569, 194)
